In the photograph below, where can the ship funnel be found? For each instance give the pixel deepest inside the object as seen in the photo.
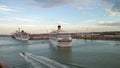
(59, 27)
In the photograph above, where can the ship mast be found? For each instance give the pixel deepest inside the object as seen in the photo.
(18, 29)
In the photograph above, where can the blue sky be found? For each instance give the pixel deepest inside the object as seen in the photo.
(40, 16)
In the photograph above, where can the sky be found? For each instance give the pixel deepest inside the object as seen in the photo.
(43, 16)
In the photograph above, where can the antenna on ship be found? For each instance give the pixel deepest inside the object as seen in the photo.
(18, 29)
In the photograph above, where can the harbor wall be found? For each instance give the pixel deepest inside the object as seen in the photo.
(85, 35)
(39, 36)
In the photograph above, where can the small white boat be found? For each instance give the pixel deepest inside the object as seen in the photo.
(60, 38)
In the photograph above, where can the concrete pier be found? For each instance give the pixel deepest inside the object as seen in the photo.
(113, 35)
(98, 35)
(39, 36)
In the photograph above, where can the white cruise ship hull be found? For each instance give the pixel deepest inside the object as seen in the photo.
(60, 38)
(21, 35)
(60, 43)
(22, 39)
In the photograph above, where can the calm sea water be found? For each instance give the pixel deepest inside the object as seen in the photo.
(82, 54)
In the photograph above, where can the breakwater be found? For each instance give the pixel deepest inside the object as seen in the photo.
(113, 35)
(98, 35)
(85, 35)
(39, 36)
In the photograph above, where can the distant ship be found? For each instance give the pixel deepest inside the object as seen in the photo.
(60, 38)
(21, 35)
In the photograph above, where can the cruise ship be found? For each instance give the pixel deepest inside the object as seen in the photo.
(60, 38)
(21, 35)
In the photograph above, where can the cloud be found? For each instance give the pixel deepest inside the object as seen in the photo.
(62, 23)
(18, 20)
(84, 8)
(11, 28)
(109, 23)
(110, 12)
(23, 19)
(48, 3)
(4, 8)
(51, 3)
(115, 5)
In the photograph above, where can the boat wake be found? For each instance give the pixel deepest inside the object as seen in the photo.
(41, 61)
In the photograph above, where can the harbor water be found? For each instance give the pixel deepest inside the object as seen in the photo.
(82, 54)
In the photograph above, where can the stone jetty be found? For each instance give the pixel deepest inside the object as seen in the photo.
(113, 35)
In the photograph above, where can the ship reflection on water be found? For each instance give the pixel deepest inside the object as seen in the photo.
(64, 56)
(61, 44)
(61, 54)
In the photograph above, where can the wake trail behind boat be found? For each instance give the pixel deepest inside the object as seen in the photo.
(41, 61)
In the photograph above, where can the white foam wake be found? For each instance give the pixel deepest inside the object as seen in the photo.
(42, 62)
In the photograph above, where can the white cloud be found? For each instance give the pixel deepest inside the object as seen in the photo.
(51, 3)
(115, 4)
(18, 20)
(23, 19)
(62, 23)
(89, 21)
(47, 3)
(115, 7)
(4, 8)
(110, 12)
(84, 8)
(30, 28)
(109, 23)
(105, 23)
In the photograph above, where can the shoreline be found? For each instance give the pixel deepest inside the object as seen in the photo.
(88, 35)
